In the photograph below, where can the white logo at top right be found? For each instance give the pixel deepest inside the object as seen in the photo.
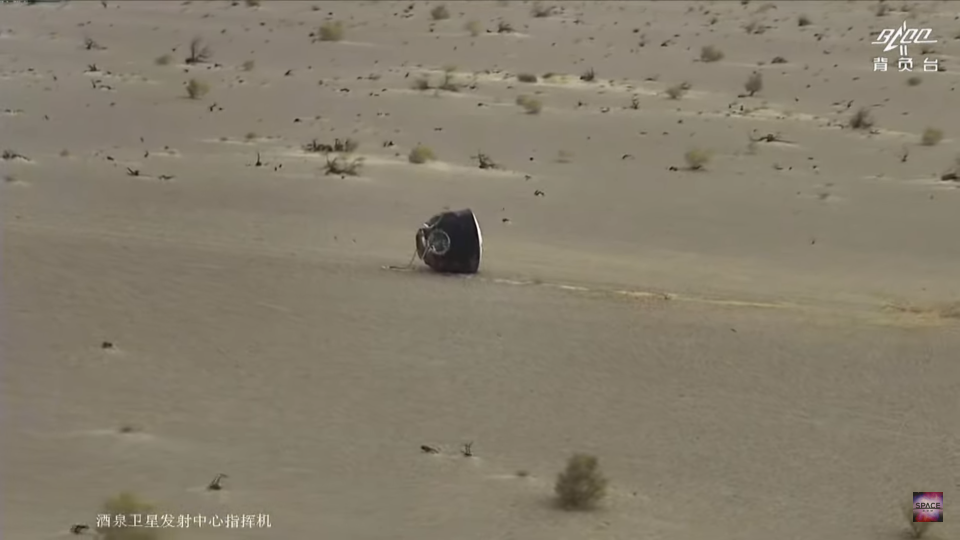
(893, 38)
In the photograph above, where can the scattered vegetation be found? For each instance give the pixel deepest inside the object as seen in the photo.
(931, 136)
(634, 102)
(530, 104)
(343, 166)
(882, 9)
(803, 20)
(91, 45)
(862, 119)
(330, 31)
(248, 65)
(527, 78)
(485, 161)
(953, 173)
(10, 155)
(440, 13)
(163, 60)
(196, 89)
(754, 83)
(199, 51)
(589, 75)
(581, 485)
(709, 53)
(697, 158)
(421, 154)
(473, 27)
(503, 27)
(914, 81)
(448, 83)
(253, 3)
(541, 11)
(755, 28)
(345, 146)
(250, 136)
(677, 91)
(421, 83)
(133, 511)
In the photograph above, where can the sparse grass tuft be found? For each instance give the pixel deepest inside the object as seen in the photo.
(449, 84)
(163, 60)
(134, 510)
(677, 91)
(803, 20)
(541, 11)
(581, 485)
(697, 158)
(473, 27)
(330, 31)
(503, 27)
(914, 81)
(250, 136)
(589, 75)
(862, 119)
(486, 162)
(421, 83)
(754, 83)
(343, 166)
(196, 89)
(709, 53)
(931, 136)
(440, 13)
(248, 65)
(527, 78)
(530, 104)
(421, 154)
(199, 51)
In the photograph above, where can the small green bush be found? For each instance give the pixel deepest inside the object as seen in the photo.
(421, 154)
(581, 485)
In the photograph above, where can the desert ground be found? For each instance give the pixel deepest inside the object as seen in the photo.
(742, 301)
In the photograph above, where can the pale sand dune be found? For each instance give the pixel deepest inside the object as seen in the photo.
(763, 349)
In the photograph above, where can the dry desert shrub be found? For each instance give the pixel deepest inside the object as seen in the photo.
(541, 11)
(697, 158)
(588, 76)
(803, 20)
(710, 53)
(199, 51)
(931, 136)
(196, 89)
(133, 511)
(163, 60)
(914, 81)
(503, 27)
(754, 83)
(440, 13)
(473, 27)
(530, 104)
(581, 485)
(248, 65)
(527, 78)
(343, 166)
(754, 28)
(330, 31)
(862, 119)
(677, 91)
(421, 154)
(421, 83)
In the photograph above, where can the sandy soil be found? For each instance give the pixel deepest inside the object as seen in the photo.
(765, 348)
